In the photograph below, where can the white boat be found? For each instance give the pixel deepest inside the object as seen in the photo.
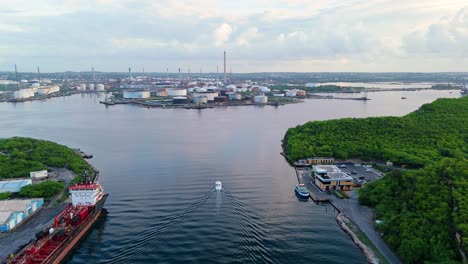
(218, 186)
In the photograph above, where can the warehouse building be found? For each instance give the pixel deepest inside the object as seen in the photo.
(136, 94)
(13, 212)
(13, 186)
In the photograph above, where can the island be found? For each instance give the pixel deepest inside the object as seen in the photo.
(420, 205)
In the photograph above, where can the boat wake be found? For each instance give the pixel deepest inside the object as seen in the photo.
(157, 230)
(252, 232)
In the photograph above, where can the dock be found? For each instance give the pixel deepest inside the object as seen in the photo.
(315, 194)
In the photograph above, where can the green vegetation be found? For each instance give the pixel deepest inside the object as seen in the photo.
(421, 209)
(46, 190)
(319, 89)
(420, 212)
(5, 195)
(434, 131)
(19, 156)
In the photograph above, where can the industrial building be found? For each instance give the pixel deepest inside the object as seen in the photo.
(330, 177)
(136, 94)
(37, 175)
(13, 212)
(320, 160)
(210, 96)
(13, 186)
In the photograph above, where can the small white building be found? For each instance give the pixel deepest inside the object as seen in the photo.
(37, 175)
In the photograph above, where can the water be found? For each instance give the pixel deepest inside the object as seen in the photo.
(160, 165)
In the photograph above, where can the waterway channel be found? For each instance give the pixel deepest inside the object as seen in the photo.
(160, 165)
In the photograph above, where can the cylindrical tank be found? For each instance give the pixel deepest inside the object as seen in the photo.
(220, 99)
(176, 92)
(300, 93)
(91, 86)
(100, 87)
(161, 93)
(235, 96)
(200, 100)
(128, 94)
(261, 99)
(179, 100)
(83, 87)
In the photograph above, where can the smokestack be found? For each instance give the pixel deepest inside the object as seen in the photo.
(224, 67)
(130, 74)
(39, 75)
(92, 69)
(16, 76)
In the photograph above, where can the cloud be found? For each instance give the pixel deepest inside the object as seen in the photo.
(354, 35)
(221, 34)
(246, 37)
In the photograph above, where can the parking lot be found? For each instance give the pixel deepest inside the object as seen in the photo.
(360, 171)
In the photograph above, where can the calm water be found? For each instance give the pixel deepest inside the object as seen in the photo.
(159, 167)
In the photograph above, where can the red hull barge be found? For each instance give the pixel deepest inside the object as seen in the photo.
(70, 226)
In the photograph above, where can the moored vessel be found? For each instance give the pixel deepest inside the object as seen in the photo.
(218, 186)
(53, 244)
(302, 191)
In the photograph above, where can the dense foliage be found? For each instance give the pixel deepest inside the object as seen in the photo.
(46, 189)
(436, 130)
(421, 209)
(5, 195)
(19, 156)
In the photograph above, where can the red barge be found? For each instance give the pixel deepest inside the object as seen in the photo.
(53, 244)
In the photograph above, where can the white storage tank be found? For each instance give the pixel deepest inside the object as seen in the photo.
(264, 89)
(209, 95)
(23, 93)
(176, 92)
(100, 87)
(136, 94)
(234, 96)
(291, 93)
(83, 87)
(91, 86)
(260, 99)
(200, 89)
(200, 100)
(278, 95)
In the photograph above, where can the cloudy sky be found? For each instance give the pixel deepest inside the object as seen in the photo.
(258, 35)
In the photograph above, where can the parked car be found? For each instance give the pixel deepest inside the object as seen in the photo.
(353, 172)
(342, 166)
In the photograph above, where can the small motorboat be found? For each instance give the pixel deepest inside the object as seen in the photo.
(302, 191)
(403, 97)
(218, 186)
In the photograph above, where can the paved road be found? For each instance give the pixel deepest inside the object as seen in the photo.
(10, 242)
(362, 217)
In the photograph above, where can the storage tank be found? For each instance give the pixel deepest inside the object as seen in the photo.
(231, 87)
(278, 95)
(260, 99)
(91, 86)
(23, 93)
(220, 99)
(300, 93)
(179, 100)
(136, 94)
(161, 93)
(264, 89)
(200, 89)
(176, 92)
(100, 87)
(209, 95)
(83, 87)
(234, 96)
(35, 85)
(291, 93)
(200, 100)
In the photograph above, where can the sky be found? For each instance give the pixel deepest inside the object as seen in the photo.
(258, 35)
